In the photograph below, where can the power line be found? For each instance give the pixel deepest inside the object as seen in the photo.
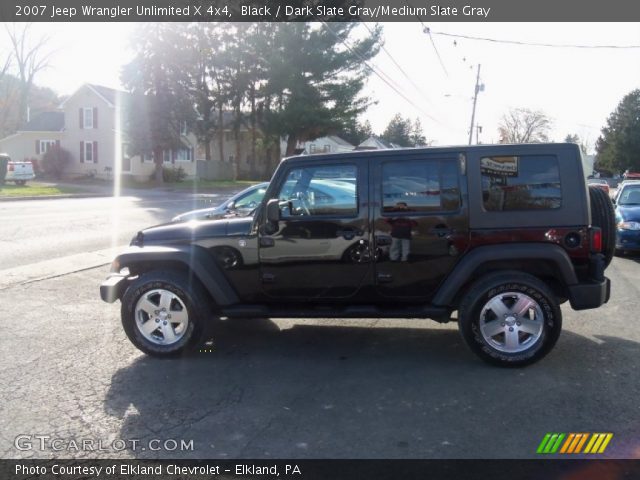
(427, 30)
(379, 74)
(416, 86)
(532, 44)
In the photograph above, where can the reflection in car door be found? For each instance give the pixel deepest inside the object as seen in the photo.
(316, 250)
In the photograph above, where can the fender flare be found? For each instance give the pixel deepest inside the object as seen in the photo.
(197, 260)
(464, 270)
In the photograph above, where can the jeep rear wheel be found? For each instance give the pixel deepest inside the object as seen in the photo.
(510, 319)
(603, 216)
(163, 313)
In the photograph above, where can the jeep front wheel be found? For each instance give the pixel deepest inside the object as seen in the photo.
(162, 313)
(510, 319)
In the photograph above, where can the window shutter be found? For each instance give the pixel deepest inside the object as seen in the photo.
(81, 114)
(95, 151)
(81, 152)
(192, 153)
(37, 147)
(173, 156)
(95, 117)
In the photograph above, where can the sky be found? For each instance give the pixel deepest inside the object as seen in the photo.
(577, 87)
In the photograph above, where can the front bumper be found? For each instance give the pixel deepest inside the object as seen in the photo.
(628, 240)
(113, 288)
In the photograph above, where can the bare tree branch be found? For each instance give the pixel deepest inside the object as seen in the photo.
(30, 58)
(522, 125)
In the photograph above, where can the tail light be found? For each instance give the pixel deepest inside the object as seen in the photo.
(12, 167)
(596, 240)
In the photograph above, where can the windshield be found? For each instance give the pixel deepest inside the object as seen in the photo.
(630, 196)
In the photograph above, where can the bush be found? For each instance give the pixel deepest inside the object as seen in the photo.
(55, 161)
(171, 174)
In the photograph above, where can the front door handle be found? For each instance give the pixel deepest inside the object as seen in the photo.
(349, 234)
(266, 242)
(385, 278)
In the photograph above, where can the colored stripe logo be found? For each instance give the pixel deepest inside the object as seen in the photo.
(574, 443)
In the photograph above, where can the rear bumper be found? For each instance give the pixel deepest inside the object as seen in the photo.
(18, 176)
(594, 292)
(589, 295)
(113, 288)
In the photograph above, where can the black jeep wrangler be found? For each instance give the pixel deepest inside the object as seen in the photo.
(500, 234)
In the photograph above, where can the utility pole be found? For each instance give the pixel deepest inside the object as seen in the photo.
(479, 88)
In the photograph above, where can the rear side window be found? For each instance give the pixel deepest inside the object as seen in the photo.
(527, 182)
(420, 186)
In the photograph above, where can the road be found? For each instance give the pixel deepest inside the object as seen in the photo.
(37, 230)
(293, 388)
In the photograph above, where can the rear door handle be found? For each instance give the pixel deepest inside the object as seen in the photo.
(383, 240)
(441, 230)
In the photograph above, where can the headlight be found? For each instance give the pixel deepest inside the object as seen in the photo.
(629, 225)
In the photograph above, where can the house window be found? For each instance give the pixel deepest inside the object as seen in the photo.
(228, 136)
(183, 155)
(166, 156)
(312, 148)
(327, 148)
(46, 145)
(232, 158)
(87, 117)
(183, 128)
(88, 152)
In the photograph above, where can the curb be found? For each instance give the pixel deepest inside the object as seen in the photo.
(52, 197)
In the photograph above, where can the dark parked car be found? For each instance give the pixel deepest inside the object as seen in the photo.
(239, 205)
(500, 234)
(628, 217)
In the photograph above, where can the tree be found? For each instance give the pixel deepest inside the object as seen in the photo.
(402, 131)
(30, 58)
(160, 104)
(574, 138)
(618, 147)
(417, 135)
(398, 131)
(522, 125)
(314, 79)
(355, 132)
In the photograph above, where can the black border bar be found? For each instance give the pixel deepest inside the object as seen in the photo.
(575, 469)
(319, 10)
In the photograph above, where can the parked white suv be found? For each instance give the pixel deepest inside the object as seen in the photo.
(18, 172)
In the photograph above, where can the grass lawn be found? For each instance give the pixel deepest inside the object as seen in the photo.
(33, 189)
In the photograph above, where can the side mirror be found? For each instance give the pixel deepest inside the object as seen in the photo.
(273, 210)
(231, 206)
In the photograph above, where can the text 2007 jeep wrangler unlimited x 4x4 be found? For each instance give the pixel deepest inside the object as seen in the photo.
(502, 234)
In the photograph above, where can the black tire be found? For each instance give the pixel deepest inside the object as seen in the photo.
(191, 295)
(603, 216)
(21, 182)
(491, 287)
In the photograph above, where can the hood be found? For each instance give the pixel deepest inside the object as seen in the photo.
(210, 213)
(188, 232)
(629, 213)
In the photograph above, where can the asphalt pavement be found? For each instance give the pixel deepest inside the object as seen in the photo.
(304, 388)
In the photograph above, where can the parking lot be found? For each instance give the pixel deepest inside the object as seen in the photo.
(305, 389)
